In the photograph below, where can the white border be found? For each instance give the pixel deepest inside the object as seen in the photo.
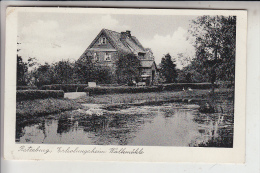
(195, 154)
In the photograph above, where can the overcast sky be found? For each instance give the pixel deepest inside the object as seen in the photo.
(52, 37)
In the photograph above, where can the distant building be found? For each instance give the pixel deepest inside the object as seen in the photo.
(107, 45)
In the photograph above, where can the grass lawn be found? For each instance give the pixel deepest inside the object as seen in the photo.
(152, 97)
(40, 107)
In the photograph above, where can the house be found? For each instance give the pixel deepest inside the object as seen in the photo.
(108, 44)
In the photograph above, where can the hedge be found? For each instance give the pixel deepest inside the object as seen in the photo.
(65, 87)
(26, 88)
(122, 89)
(158, 88)
(110, 89)
(38, 94)
(180, 86)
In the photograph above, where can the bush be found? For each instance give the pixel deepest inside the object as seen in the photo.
(180, 86)
(224, 84)
(158, 88)
(65, 87)
(38, 94)
(26, 88)
(125, 89)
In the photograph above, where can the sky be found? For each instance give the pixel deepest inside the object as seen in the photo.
(50, 37)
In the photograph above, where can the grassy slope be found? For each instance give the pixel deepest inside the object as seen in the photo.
(44, 106)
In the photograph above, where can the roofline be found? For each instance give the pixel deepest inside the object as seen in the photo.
(108, 38)
(151, 65)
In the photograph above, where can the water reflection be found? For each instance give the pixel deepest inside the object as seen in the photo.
(169, 124)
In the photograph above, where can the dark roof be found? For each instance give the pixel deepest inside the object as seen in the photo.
(149, 54)
(124, 43)
(147, 63)
(121, 42)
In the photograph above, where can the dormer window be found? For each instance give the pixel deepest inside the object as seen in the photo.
(102, 40)
(141, 55)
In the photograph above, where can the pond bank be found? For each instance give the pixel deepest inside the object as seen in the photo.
(39, 107)
(172, 118)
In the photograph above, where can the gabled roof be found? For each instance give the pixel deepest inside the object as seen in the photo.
(149, 54)
(120, 42)
(148, 63)
(124, 43)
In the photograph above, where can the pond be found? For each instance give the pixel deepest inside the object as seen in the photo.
(167, 124)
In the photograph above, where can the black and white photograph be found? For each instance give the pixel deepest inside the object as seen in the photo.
(127, 79)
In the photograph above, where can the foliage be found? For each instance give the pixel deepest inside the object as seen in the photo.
(215, 43)
(117, 90)
(168, 69)
(26, 88)
(65, 87)
(44, 75)
(184, 76)
(21, 71)
(63, 72)
(103, 75)
(127, 68)
(194, 73)
(158, 88)
(88, 71)
(57, 73)
(37, 94)
(184, 59)
(159, 79)
(83, 69)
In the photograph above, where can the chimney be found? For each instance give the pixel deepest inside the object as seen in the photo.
(128, 33)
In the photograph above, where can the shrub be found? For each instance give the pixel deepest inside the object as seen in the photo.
(180, 86)
(158, 88)
(26, 88)
(37, 94)
(125, 89)
(65, 87)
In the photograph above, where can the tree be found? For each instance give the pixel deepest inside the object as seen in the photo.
(168, 69)
(44, 75)
(24, 75)
(127, 68)
(215, 43)
(63, 72)
(86, 70)
(184, 59)
(21, 71)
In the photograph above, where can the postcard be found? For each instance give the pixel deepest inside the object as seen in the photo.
(121, 84)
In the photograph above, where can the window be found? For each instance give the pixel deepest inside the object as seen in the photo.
(95, 57)
(141, 55)
(107, 57)
(102, 40)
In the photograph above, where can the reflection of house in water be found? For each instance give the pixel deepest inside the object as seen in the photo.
(107, 46)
